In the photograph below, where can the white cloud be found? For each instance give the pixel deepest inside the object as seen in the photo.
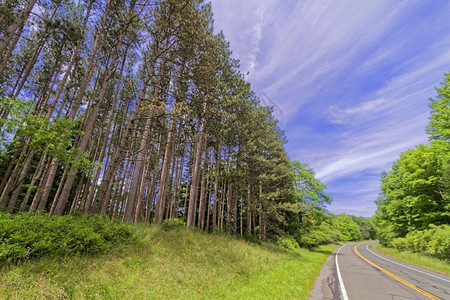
(371, 149)
(348, 114)
(352, 78)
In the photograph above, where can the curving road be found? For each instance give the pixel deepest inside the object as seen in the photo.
(356, 271)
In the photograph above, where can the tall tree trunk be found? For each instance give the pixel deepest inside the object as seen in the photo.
(18, 187)
(192, 209)
(19, 22)
(151, 194)
(202, 204)
(249, 209)
(216, 183)
(161, 200)
(229, 194)
(139, 166)
(222, 204)
(90, 122)
(235, 198)
(196, 174)
(37, 174)
(262, 223)
(92, 61)
(72, 59)
(11, 183)
(10, 50)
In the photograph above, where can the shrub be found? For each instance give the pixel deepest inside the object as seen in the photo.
(434, 241)
(323, 234)
(29, 235)
(252, 238)
(172, 224)
(288, 243)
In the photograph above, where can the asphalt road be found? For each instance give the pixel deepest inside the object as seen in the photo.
(356, 271)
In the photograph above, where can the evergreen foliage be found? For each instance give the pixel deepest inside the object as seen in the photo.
(137, 111)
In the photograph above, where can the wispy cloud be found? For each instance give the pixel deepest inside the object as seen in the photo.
(352, 78)
(340, 116)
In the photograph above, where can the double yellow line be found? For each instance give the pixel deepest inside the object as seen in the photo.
(431, 296)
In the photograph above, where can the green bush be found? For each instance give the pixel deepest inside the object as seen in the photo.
(434, 241)
(288, 243)
(29, 235)
(252, 238)
(325, 233)
(172, 224)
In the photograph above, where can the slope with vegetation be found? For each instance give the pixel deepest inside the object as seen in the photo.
(167, 262)
(414, 205)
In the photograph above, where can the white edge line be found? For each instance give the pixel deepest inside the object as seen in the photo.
(341, 282)
(367, 247)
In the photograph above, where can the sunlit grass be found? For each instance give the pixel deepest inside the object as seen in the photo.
(181, 264)
(416, 259)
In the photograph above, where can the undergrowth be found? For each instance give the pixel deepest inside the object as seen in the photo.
(27, 236)
(170, 264)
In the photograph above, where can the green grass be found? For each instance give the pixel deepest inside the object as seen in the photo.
(416, 259)
(181, 264)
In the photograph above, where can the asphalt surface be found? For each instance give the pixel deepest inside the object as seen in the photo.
(367, 274)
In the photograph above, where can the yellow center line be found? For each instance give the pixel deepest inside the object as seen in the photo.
(431, 296)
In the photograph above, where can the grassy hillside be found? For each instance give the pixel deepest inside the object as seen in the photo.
(181, 264)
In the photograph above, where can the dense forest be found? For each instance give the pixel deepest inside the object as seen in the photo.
(414, 204)
(136, 110)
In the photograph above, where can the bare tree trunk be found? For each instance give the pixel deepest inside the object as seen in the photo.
(40, 190)
(169, 205)
(202, 204)
(222, 205)
(16, 91)
(49, 181)
(176, 188)
(153, 181)
(187, 192)
(208, 201)
(72, 59)
(37, 174)
(196, 174)
(10, 51)
(7, 176)
(161, 200)
(98, 44)
(140, 195)
(235, 198)
(262, 225)
(216, 183)
(16, 191)
(240, 217)
(92, 117)
(139, 166)
(249, 210)
(19, 22)
(122, 188)
(229, 194)
(12, 180)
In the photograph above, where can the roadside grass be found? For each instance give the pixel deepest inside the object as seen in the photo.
(416, 259)
(179, 264)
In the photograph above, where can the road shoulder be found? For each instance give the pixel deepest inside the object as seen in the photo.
(327, 285)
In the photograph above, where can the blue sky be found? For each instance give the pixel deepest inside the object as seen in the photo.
(350, 81)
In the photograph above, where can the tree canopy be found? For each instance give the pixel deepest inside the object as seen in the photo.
(415, 193)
